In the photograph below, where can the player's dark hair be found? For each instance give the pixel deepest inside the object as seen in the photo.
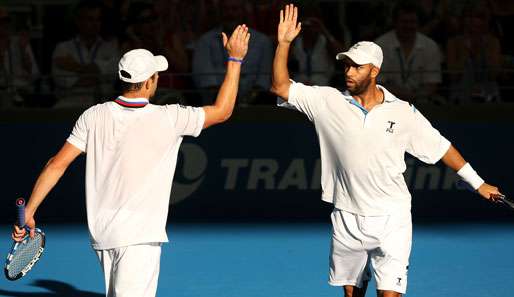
(126, 87)
(405, 6)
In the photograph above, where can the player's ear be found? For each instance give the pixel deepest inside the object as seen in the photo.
(149, 82)
(374, 71)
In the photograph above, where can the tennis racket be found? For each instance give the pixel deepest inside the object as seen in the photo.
(24, 254)
(508, 201)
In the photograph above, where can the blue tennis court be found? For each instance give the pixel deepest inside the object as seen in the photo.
(250, 260)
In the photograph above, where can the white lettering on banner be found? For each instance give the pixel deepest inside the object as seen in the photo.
(429, 177)
(233, 166)
(431, 174)
(250, 174)
(295, 176)
(316, 176)
(262, 170)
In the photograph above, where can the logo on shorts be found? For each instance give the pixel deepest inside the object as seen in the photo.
(390, 129)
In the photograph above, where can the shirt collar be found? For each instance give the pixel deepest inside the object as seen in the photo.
(388, 97)
(131, 102)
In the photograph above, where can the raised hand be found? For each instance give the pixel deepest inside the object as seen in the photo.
(237, 45)
(288, 28)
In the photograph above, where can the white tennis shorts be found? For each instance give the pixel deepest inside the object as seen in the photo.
(382, 242)
(131, 271)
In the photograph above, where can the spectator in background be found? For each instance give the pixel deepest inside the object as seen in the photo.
(149, 32)
(143, 30)
(372, 25)
(314, 50)
(503, 25)
(18, 68)
(114, 16)
(262, 10)
(474, 57)
(434, 20)
(209, 58)
(84, 68)
(187, 20)
(412, 61)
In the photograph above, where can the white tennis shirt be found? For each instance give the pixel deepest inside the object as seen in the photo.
(131, 154)
(363, 153)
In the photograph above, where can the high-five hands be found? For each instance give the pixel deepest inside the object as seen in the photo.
(288, 28)
(237, 45)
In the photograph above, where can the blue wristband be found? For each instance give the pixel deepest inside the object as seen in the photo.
(235, 60)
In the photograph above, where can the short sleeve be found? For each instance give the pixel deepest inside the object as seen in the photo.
(306, 99)
(425, 142)
(187, 120)
(78, 136)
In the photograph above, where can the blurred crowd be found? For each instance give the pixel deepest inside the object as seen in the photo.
(65, 53)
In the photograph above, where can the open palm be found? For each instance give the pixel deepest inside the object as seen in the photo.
(288, 28)
(237, 44)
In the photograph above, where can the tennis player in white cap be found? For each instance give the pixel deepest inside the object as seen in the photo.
(131, 149)
(364, 133)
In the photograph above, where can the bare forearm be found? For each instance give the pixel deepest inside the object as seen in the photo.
(280, 78)
(453, 159)
(226, 99)
(44, 184)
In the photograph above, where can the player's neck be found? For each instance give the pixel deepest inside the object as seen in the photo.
(371, 97)
(138, 94)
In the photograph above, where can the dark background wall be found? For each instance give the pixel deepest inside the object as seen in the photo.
(263, 165)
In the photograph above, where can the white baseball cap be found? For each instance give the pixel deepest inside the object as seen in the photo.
(364, 52)
(139, 65)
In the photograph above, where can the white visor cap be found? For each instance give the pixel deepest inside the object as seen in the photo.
(364, 52)
(138, 65)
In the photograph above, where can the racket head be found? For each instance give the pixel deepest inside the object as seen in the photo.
(24, 255)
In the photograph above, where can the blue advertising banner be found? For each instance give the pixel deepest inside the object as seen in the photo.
(269, 170)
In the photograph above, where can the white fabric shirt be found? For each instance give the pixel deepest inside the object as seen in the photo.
(131, 154)
(422, 66)
(362, 153)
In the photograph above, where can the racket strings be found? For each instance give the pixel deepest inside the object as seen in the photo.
(24, 254)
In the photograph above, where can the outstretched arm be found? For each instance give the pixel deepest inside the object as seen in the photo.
(237, 47)
(48, 178)
(288, 29)
(455, 161)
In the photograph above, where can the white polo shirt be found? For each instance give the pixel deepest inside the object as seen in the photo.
(362, 153)
(130, 163)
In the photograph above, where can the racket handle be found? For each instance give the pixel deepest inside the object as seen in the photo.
(20, 207)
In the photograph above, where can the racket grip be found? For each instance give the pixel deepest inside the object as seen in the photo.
(20, 207)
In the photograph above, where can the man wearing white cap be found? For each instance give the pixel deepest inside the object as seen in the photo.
(364, 133)
(131, 151)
